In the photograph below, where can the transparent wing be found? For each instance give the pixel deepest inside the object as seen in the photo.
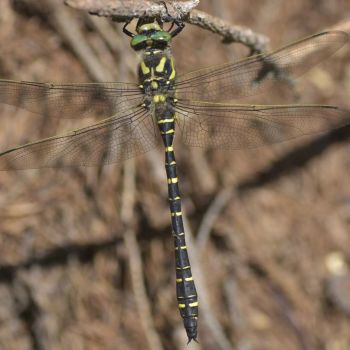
(258, 73)
(248, 126)
(68, 100)
(122, 136)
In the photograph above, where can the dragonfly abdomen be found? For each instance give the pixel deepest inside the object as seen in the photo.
(185, 288)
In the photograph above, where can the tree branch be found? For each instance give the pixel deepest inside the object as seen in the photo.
(230, 33)
(124, 10)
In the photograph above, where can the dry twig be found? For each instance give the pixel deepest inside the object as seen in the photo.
(135, 261)
(211, 215)
(211, 320)
(230, 33)
(124, 10)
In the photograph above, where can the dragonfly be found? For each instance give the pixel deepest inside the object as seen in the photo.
(140, 116)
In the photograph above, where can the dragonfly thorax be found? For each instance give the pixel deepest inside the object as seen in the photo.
(157, 73)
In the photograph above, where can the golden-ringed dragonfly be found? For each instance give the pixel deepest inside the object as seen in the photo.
(140, 116)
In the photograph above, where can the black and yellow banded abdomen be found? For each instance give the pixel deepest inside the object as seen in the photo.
(157, 77)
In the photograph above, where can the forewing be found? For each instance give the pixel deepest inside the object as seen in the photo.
(247, 126)
(261, 72)
(122, 136)
(69, 100)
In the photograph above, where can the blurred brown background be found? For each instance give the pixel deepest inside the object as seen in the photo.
(274, 263)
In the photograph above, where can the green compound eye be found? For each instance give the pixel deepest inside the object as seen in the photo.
(138, 41)
(161, 36)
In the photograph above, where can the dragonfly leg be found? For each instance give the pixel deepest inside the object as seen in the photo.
(126, 31)
(180, 26)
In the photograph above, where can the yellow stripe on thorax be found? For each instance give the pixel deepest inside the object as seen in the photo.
(173, 71)
(145, 70)
(161, 65)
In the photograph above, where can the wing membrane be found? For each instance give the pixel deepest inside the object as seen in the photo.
(247, 126)
(122, 136)
(258, 73)
(68, 100)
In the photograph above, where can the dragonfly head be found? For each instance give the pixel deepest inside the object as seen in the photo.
(150, 34)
